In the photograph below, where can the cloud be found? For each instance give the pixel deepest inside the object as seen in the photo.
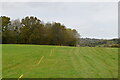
(91, 19)
(59, 0)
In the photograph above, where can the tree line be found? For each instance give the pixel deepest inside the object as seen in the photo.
(92, 42)
(31, 30)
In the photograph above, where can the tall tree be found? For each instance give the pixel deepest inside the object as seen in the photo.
(31, 30)
(5, 22)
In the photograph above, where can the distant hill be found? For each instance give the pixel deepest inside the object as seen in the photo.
(92, 42)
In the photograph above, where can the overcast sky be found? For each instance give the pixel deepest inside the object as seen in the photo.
(90, 19)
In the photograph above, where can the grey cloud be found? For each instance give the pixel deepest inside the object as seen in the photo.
(91, 19)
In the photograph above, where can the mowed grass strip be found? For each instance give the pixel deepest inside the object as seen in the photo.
(52, 51)
(20, 77)
(40, 59)
(67, 62)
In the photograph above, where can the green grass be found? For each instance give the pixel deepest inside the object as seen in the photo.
(0, 61)
(64, 62)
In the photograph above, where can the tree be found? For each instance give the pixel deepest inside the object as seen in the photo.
(5, 22)
(31, 30)
(15, 25)
(57, 34)
(28, 29)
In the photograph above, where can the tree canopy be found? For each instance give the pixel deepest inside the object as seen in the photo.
(31, 30)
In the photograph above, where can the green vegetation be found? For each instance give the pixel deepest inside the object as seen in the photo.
(63, 61)
(59, 61)
(31, 30)
(0, 61)
(91, 42)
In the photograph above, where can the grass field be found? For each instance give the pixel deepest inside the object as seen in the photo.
(41, 61)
